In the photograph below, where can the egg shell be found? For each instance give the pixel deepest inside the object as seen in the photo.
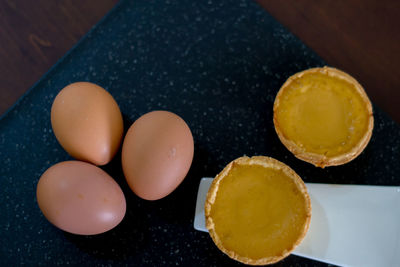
(87, 122)
(80, 198)
(157, 154)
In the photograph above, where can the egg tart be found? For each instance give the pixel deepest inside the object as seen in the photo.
(323, 116)
(257, 210)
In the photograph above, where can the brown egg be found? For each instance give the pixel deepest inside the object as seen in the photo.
(80, 198)
(87, 122)
(156, 154)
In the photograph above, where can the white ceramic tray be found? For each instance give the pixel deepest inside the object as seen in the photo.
(351, 225)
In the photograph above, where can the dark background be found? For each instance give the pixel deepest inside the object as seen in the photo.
(217, 64)
(361, 37)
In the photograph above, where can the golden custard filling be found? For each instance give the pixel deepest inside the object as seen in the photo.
(322, 114)
(259, 212)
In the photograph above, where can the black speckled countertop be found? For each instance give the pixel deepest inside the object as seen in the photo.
(217, 64)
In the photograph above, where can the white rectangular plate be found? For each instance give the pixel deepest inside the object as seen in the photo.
(351, 225)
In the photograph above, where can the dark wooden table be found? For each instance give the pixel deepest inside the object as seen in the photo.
(361, 37)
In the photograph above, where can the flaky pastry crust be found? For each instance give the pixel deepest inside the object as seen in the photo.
(212, 194)
(321, 160)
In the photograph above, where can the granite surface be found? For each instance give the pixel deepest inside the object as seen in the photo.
(217, 64)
